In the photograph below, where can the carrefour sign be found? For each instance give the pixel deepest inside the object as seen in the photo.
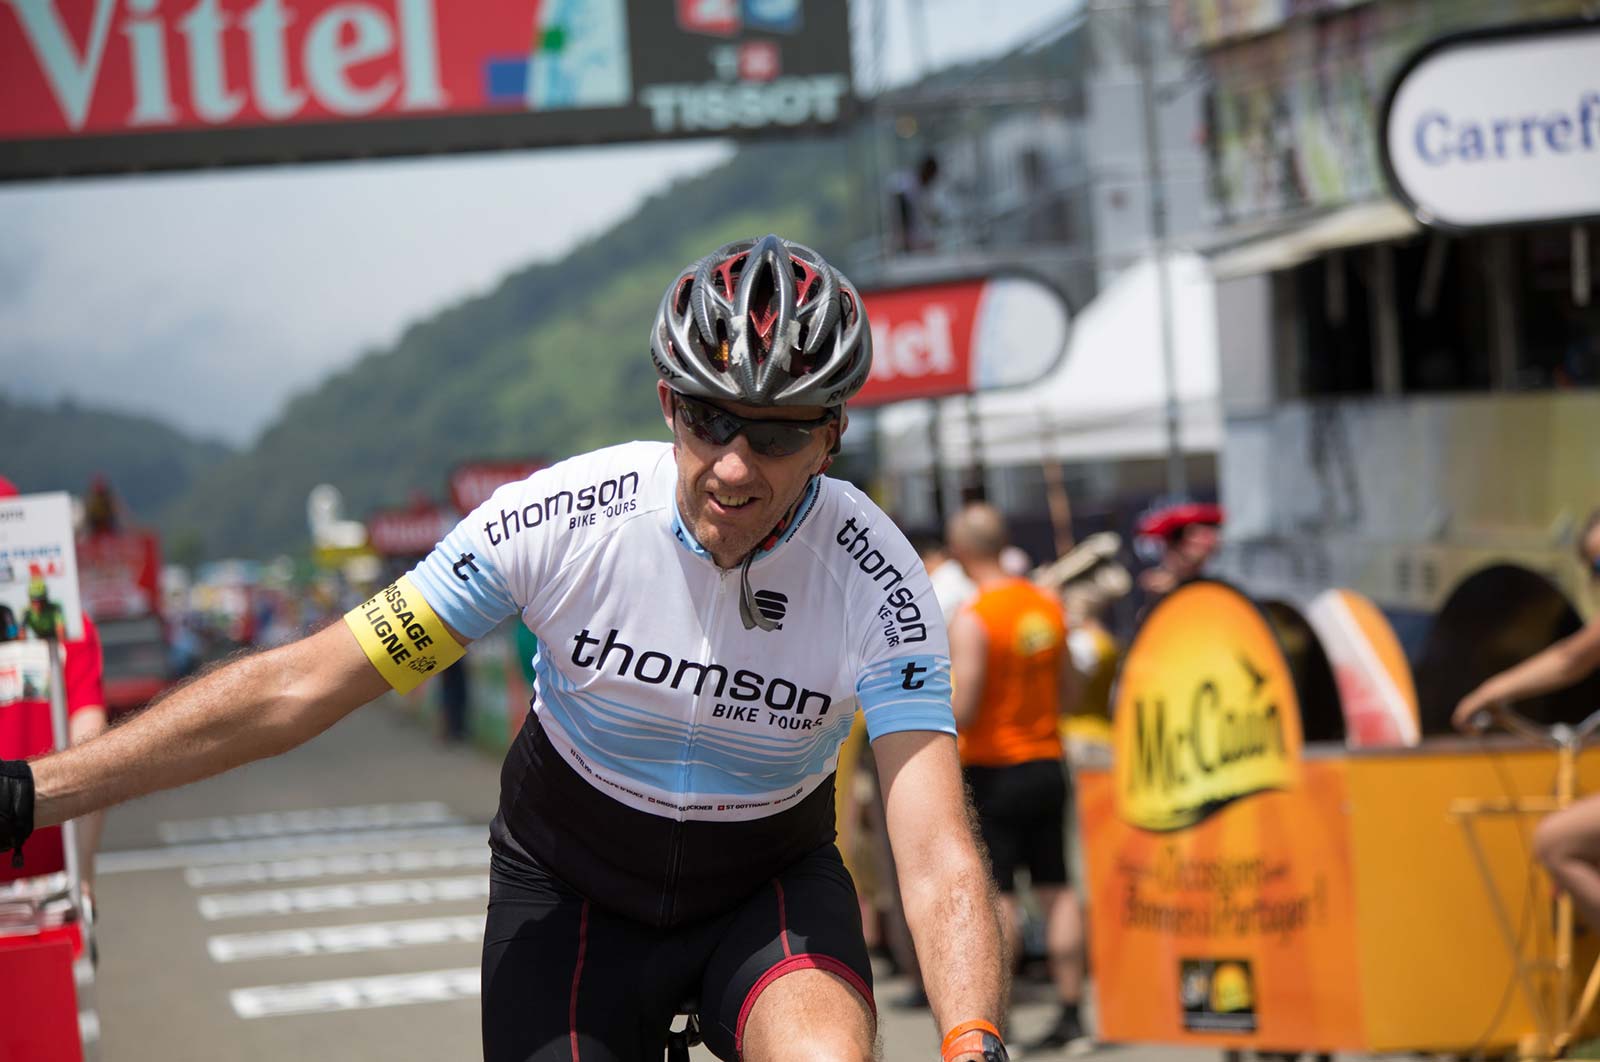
(1499, 127)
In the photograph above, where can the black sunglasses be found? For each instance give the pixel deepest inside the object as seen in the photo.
(1594, 568)
(769, 438)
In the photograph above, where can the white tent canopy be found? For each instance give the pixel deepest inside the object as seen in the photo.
(1105, 401)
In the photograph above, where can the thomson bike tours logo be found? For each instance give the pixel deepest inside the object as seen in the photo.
(1206, 710)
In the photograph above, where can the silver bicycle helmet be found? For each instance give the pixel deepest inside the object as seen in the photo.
(764, 322)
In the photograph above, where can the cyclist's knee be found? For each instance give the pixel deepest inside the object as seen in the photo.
(1553, 840)
(806, 1016)
(1567, 836)
(834, 1045)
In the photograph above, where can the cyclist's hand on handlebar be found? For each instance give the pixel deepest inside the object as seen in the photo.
(16, 807)
(1474, 714)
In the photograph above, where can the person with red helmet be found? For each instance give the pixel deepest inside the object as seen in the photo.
(711, 613)
(1184, 537)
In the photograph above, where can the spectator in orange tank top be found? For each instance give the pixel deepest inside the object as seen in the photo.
(1013, 679)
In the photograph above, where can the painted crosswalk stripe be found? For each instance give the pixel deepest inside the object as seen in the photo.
(409, 861)
(346, 940)
(194, 855)
(317, 898)
(393, 990)
(311, 820)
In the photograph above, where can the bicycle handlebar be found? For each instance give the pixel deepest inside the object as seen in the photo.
(1558, 734)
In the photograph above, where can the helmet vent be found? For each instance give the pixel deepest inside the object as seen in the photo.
(764, 306)
(728, 272)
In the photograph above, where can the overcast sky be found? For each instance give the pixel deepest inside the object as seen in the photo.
(208, 300)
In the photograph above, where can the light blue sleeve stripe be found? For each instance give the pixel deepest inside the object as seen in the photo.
(472, 600)
(907, 693)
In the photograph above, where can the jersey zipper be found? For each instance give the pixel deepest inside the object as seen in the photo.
(669, 890)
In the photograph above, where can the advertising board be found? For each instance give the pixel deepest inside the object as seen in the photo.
(952, 337)
(94, 86)
(39, 566)
(472, 483)
(1218, 856)
(1498, 127)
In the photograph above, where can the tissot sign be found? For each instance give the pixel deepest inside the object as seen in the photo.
(954, 337)
(1499, 128)
(105, 85)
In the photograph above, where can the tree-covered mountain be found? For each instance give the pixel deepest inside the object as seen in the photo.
(552, 362)
(64, 446)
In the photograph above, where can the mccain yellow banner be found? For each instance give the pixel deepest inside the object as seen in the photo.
(1206, 710)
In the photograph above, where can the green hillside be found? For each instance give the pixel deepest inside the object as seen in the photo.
(551, 363)
(63, 446)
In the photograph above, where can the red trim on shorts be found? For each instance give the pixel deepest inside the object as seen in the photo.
(802, 961)
(783, 920)
(577, 974)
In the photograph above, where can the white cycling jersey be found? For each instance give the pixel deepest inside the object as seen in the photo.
(649, 684)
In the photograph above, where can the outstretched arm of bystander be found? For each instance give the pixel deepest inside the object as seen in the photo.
(1561, 665)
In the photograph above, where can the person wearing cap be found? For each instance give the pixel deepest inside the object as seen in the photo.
(43, 618)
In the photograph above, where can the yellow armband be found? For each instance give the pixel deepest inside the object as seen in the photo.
(402, 635)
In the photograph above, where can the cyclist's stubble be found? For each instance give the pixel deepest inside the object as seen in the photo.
(772, 485)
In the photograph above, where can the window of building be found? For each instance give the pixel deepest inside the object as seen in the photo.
(1514, 309)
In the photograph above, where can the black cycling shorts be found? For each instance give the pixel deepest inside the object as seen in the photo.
(565, 979)
(1022, 817)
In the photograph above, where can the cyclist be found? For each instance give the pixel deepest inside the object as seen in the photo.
(1568, 841)
(710, 614)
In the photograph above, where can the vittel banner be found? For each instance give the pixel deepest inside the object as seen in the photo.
(958, 336)
(1499, 127)
(105, 85)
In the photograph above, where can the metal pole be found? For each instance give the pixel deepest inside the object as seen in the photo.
(977, 476)
(1177, 475)
(919, 36)
(62, 738)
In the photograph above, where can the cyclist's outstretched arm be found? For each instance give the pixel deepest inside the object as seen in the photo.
(949, 899)
(249, 709)
(1561, 665)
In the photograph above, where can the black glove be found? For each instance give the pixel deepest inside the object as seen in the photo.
(16, 807)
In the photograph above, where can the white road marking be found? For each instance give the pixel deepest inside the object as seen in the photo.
(345, 940)
(268, 847)
(317, 898)
(409, 861)
(312, 820)
(394, 990)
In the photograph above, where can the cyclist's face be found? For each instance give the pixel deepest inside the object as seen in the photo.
(1591, 551)
(730, 496)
